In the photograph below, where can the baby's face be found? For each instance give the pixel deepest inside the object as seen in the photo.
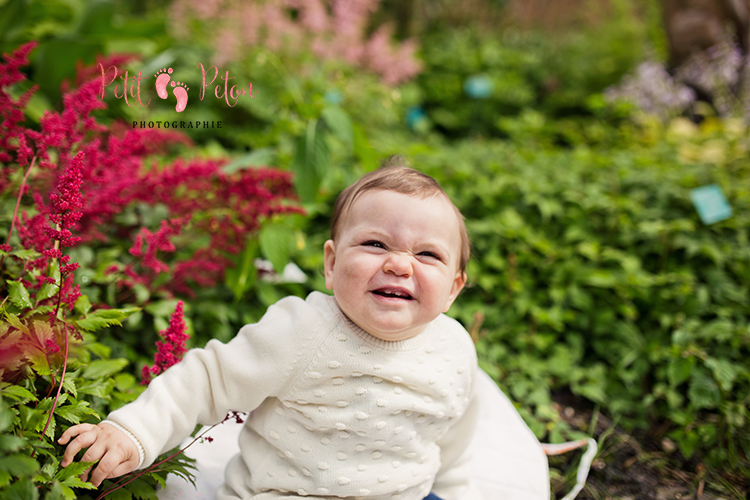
(394, 265)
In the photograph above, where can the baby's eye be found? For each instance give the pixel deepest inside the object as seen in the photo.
(431, 255)
(373, 243)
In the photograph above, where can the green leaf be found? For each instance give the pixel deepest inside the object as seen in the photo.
(241, 277)
(120, 494)
(73, 469)
(103, 368)
(39, 362)
(16, 322)
(257, 158)
(48, 290)
(98, 388)
(311, 161)
(50, 468)
(75, 412)
(75, 482)
(23, 253)
(18, 465)
(724, 372)
(687, 441)
(5, 478)
(68, 493)
(18, 393)
(276, 243)
(679, 370)
(102, 318)
(9, 443)
(703, 391)
(124, 381)
(141, 489)
(18, 295)
(56, 492)
(83, 305)
(69, 384)
(340, 124)
(6, 416)
(601, 278)
(100, 350)
(23, 489)
(163, 308)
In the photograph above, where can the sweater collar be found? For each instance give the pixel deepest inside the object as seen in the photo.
(386, 345)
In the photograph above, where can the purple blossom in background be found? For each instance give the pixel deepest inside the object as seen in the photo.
(653, 90)
(716, 73)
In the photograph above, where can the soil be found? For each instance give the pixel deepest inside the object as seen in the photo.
(632, 467)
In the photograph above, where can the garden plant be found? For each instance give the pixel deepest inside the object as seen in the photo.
(599, 300)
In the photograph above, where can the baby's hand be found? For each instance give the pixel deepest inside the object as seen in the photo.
(116, 453)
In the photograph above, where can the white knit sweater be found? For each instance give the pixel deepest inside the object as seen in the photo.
(336, 412)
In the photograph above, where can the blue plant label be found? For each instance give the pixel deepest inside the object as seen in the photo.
(415, 115)
(478, 86)
(711, 204)
(333, 96)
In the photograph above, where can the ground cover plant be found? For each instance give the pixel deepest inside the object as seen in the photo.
(599, 301)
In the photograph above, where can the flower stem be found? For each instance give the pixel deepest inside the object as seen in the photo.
(59, 387)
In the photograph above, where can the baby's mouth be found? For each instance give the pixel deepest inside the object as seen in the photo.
(393, 293)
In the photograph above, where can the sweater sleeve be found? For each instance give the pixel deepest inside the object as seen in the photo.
(452, 481)
(210, 382)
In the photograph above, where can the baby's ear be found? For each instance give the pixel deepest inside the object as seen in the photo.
(458, 284)
(329, 258)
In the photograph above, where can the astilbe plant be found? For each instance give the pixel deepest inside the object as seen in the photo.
(69, 181)
(171, 349)
(335, 30)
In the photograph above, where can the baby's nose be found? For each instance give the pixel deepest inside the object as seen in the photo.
(398, 264)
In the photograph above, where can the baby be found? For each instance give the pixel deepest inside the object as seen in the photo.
(368, 393)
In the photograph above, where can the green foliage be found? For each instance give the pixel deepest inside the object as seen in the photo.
(44, 392)
(71, 32)
(593, 272)
(557, 76)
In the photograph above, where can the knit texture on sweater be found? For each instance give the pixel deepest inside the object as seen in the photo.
(335, 412)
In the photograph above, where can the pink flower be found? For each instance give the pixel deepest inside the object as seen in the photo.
(52, 347)
(64, 206)
(335, 30)
(158, 241)
(172, 348)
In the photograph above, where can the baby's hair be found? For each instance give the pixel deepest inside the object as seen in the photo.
(394, 174)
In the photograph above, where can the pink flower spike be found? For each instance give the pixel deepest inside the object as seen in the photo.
(52, 347)
(170, 351)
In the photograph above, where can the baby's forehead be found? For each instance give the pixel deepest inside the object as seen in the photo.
(427, 198)
(361, 212)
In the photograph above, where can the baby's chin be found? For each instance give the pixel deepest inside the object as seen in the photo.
(394, 335)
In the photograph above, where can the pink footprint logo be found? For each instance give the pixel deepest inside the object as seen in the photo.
(163, 79)
(180, 92)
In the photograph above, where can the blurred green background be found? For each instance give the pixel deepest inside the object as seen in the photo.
(599, 300)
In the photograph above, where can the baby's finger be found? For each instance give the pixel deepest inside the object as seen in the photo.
(83, 440)
(107, 467)
(84, 475)
(73, 432)
(124, 468)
